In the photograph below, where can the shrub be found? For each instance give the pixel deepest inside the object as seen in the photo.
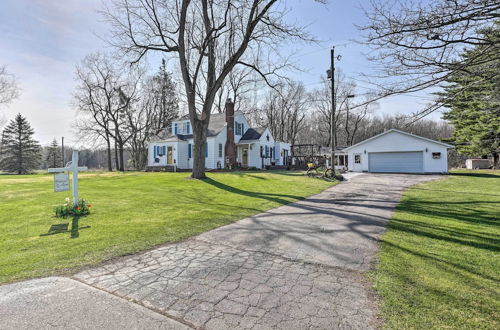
(69, 210)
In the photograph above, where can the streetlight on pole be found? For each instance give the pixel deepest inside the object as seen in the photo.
(331, 75)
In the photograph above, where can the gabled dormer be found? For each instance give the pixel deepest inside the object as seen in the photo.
(241, 125)
(182, 126)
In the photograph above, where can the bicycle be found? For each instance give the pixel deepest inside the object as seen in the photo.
(321, 171)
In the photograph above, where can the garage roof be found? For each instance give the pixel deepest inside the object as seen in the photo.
(398, 131)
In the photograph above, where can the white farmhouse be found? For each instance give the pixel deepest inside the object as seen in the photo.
(230, 140)
(397, 151)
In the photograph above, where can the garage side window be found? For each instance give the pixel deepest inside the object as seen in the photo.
(357, 159)
(436, 155)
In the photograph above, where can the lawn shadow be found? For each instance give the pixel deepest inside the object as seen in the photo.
(477, 175)
(278, 198)
(57, 228)
(471, 215)
(60, 228)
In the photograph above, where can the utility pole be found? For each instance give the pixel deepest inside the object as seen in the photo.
(332, 116)
(62, 150)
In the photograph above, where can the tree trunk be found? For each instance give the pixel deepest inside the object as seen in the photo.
(108, 145)
(117, 161)
(199, 139)
(496, 160)
(120, 153)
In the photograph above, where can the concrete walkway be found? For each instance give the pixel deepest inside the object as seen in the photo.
(298, 266)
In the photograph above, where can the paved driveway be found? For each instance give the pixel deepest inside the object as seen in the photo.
(298, 266)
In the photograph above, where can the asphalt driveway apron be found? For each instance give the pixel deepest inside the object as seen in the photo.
(298, 266)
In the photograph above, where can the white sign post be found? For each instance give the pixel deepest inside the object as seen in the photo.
(70, 167)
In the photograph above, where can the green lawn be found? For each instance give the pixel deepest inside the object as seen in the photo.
(439, 262)
(130, 212)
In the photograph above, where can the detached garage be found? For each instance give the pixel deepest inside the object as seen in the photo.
(395, 151)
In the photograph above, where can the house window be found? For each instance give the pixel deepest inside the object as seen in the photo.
(186, 128)
(190, 150)
(267, 137)
(436, 155)
(267, 151)
(175, 129)
(236, 127)
(220, 150)
(272, 153)
(357, 159)
(160, 151)
(261, 151)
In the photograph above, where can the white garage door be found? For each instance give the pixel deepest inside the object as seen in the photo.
(402, 162)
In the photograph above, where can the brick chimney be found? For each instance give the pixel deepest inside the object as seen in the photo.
(230, 148)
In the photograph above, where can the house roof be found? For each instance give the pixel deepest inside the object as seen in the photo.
(253, 134)
(216, 124)
(398, 131)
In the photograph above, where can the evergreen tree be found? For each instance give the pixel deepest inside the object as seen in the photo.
(165, 95)
(473, 98)
(21, 153)
(54, 155)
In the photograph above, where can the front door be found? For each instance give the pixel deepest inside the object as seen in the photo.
(169, 155)
(245, 157)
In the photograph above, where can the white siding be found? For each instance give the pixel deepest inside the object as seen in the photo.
(265, 143)
(280, 148)
(189, 159)
(398, 142)
(182, 155)
(220, 139)
(240, 118)
(210, 162)
(163, 159)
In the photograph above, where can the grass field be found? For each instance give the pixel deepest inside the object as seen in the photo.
(439, 261)
(130, 212)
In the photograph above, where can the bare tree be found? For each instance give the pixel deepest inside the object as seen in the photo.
(420, 44)
(321, 102)
(238, 85)
(103, 97)
(353, 119)
(284, 111)
(8, 87)
(208, 39)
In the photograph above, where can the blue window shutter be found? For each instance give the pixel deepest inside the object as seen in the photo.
(154, 152)
(189, 150)
(175, 129)
(164, 152)
(236, 128)
(242, 128)
(206, 149)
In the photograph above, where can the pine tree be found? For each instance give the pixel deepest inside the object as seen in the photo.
(472, 95)
(165, 93)
(21, 153)
(54, 155)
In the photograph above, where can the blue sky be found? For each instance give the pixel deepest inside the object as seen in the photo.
(41, 41)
